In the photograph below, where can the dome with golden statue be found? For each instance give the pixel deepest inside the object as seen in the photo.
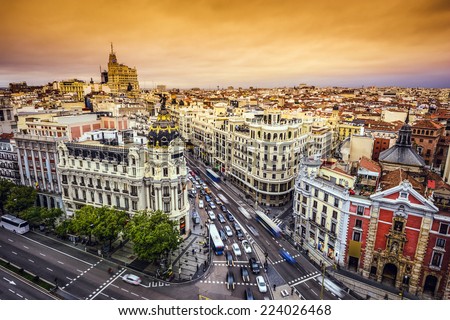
(163, 130)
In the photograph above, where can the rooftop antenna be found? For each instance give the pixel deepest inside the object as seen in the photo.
(112, 49)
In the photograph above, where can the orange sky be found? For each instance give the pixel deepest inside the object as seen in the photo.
(220, 43)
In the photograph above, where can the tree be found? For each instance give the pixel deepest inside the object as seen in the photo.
(20, 199)
(104, 223)
(110, 223)
(153, 234)
(5, 190)
(84, 221)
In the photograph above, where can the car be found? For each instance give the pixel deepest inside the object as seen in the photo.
(229, 258)
(248, 295)
(197, 186)
(212, 205)
(245, 275)
(195, 217)
(254, 265)
(132, 278)
(240, 235)
(202, 193)
(222, 234)
(284, 254)
(201, 204)
(236, 249)
(230, 280)
(193, 191)
(223, 208)
(218, 201)
(220, 218)
(207, 198)
(230, 217)
(228, 231)
(191, 195)
(211, 215)
(236, 226)
(261, 283)
(247, 246)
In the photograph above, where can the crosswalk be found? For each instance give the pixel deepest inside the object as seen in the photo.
(283, 260)
(223, 282)
(277, 221)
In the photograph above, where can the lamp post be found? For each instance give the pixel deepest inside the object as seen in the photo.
(323, 281)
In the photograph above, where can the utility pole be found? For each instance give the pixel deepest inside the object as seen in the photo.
(323, 281)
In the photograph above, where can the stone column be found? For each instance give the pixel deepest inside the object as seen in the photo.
(370, 241)
(422, 244)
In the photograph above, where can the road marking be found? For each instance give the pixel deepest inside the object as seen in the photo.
(26, 247)
(314, 292)
(124, 290)
(14, 252)
(69, 278)
(42, 254)
(10, 240)
(49, 269)
(134, 294)
(60, 262)
(31, 260)
(63, 253)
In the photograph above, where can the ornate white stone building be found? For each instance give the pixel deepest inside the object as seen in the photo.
(129, 176)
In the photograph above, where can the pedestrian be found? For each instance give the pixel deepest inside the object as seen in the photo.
(274, 287)
(197, 266)
(292, 291)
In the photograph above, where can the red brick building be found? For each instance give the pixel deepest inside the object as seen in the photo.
(426, 135)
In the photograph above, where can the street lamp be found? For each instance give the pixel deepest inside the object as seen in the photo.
(323, 281)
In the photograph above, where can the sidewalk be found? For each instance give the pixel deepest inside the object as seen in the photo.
(187, 262)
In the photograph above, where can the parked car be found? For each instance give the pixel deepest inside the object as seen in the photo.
(132, 278)
(231, 283)
(248, 295)
(247, 246)
(245, 274)
(283, 253)
(229, 258)
(254, 265)
(236, 249)
(201, 204)
(211, 215)
(261, 283)
(228, 231)
(220, 218)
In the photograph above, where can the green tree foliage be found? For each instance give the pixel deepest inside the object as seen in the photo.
(104, 223)
(38, 215)
(153, 234)
(110, 223)
(20, 199)
(5, 190)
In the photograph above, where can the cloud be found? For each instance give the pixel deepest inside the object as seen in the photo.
(212, 41)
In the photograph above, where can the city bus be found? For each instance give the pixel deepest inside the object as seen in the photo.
(216, 241)
(268, 224)
(14, 224)
(212, 175)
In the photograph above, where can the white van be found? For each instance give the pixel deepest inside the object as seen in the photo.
(201, 204)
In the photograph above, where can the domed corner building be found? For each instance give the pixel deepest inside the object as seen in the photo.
(165, 170)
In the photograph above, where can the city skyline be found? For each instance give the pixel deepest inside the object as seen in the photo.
(208, 44)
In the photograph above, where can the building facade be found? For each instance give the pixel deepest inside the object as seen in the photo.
(121, 78)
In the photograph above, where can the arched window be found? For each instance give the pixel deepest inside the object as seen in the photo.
(268, 136)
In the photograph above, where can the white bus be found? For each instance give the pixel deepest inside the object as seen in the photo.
(14, 224)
